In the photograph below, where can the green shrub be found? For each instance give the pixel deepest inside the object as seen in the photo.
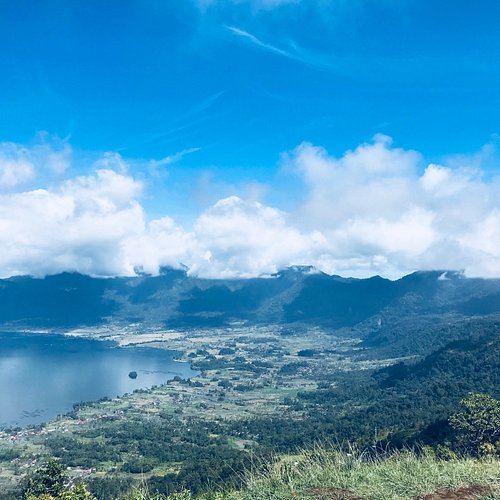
(478, 424)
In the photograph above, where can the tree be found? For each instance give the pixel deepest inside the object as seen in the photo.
(78, 492)
(50, 482)
(478, 423)
(48, 479)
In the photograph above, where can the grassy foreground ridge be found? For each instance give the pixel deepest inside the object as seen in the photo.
(331, 474)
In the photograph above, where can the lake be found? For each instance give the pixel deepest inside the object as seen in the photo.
(43, 375)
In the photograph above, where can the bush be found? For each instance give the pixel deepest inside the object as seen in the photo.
(478, 424)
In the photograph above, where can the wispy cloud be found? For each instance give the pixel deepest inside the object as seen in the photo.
(296, 53)
(168, 160)
(256, 41)
(179, 123)
(376, 68)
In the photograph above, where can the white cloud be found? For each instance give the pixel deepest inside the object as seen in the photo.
(245, 238)
(483, 242)
(16, 166)
(374, 210)
(57, 160)
(161, 243)
(95, 224)
(411, 234)
(373, 180)
(111, 160)
(14, 172)
(445, 182)
(20, 164)
(79, 226)
(376, 206)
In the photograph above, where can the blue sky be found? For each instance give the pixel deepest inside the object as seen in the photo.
(201, 100)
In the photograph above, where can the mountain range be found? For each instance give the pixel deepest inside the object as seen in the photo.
(294, 296)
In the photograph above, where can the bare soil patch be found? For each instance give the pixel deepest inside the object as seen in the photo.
(465, 493)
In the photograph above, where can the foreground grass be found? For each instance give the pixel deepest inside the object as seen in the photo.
(336, 475)
(330, 474)
(402, 475)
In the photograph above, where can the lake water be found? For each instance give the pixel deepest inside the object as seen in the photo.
(43, 375)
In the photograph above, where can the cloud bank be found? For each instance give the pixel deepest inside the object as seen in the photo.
(375, 210)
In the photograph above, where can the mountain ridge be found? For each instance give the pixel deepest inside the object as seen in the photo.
(294, 295)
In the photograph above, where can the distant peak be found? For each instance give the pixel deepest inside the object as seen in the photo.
(182, 269)
(303, 270)
(436, 274)
(451, 275)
